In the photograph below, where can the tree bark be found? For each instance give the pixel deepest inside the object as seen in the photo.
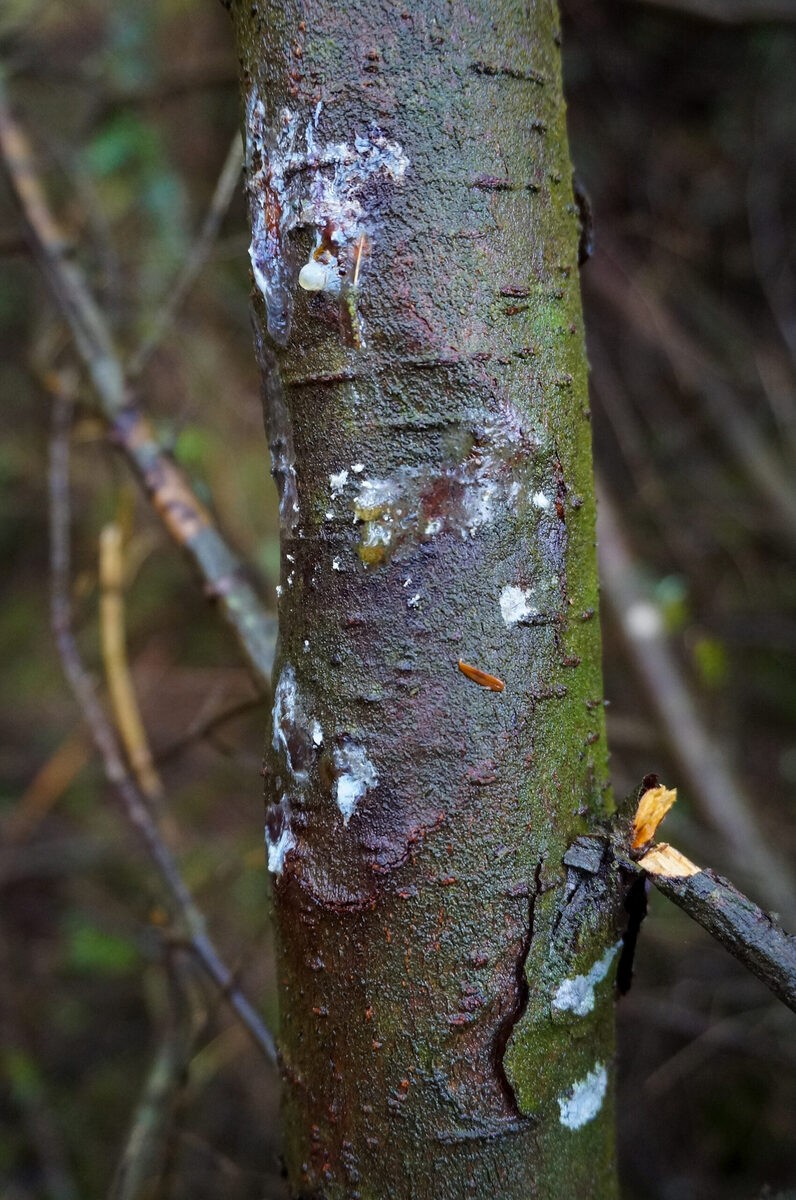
(445, 976)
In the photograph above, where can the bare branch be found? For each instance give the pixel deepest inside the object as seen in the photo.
(45, 789)
(208, 726)
(185, 518)
(698, 374)
(751, 935)
(132, 800)
(142, 1159)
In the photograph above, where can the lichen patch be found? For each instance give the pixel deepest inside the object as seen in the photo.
(577, 995)
(515, 604)
(584, 1100)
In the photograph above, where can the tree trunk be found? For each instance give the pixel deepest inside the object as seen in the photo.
(445, 977)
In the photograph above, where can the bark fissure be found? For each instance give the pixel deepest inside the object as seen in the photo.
(521, 997)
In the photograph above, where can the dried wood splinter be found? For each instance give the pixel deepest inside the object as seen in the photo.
(663, 859)
(652, 808)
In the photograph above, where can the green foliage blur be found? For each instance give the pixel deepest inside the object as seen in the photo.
(683, 134)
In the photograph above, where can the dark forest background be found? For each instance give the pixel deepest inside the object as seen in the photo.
(683, 128)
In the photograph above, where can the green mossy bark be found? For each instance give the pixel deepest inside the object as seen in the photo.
(421, 946)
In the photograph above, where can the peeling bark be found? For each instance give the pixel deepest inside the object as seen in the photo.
(428, 419)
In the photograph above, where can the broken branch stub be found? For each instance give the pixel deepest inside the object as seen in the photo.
(751, 935)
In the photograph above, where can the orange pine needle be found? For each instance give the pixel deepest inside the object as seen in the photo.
(478, 676)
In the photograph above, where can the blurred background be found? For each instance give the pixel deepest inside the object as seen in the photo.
(683, 127)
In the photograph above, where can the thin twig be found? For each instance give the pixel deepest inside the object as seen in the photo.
(699, 375)
(207, 727)
(186, 519)
(219, 204)
(133, 801)
(145, 1151)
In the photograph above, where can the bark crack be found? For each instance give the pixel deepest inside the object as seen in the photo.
(521, 997)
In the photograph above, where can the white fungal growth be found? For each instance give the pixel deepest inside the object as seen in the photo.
(336, 564)
(358, 468)
(539, 500)
(419, 502)
(296, 183)
(337, 482)
(278, 849)
(395, 510)
(514, 604)
(284, 713)
(283, 458)
(375, 495)
(376, 536)
(577, 995)
(584, 1100)
(357, 776)
(294, 733)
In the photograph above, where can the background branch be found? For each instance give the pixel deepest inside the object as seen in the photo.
(222, 198)
(121, 689)
(145, 1151)
(185, 517)
(701, 761)
(133, 801)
